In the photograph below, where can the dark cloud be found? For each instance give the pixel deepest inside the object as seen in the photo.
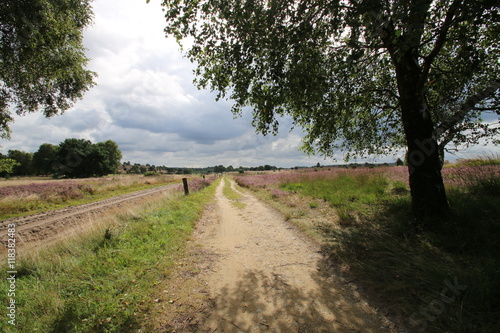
(146, 102)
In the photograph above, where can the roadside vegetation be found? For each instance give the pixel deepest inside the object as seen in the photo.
(232, 195)
(33, 197)
(441, 279)
(107, 277)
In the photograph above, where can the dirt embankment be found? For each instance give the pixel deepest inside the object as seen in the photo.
(48, 225)
(265, 276)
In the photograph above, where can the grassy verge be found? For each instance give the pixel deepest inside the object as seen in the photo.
(231, 194)
(445, 280)
(34, 198)
(104, 280)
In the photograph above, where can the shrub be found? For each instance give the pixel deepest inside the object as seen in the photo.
(277, 193)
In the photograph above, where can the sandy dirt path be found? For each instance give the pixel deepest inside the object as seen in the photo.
(268, 276)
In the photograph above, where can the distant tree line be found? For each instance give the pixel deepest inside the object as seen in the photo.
(137, 168)
(221, 168)
(398, 162)
(72, 158)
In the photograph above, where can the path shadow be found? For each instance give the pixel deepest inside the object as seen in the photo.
(261, 303)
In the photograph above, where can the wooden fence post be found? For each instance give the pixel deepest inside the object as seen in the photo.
(185, 183)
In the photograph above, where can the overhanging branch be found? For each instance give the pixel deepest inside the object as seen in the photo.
(465, 109)
(441, 39)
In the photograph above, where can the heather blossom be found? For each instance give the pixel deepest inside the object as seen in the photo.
(66, 190)
(457, 176)
(197, 184)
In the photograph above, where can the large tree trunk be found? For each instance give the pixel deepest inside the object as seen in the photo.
(426, 183)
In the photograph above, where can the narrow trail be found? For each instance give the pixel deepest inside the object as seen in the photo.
(268, 277)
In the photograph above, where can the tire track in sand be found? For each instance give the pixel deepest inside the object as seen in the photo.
(47, 225)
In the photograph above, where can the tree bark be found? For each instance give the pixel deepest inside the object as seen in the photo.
(426, 183)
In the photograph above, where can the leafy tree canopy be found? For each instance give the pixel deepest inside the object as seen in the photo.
(112, 154)
(24, 162)
(333, 65)
(80, 158)
(44, 157)
(7, 165)
(42, 60)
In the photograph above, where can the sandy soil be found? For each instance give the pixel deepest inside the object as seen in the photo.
(268, 277)
(45, 227)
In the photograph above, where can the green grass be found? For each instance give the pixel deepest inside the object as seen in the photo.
(408, 270)
(480, 161)
(26, 206)
(350, 195)
(232, 195)
(105, 281)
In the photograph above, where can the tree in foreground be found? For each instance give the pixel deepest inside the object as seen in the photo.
(42, 60)
(367, 76)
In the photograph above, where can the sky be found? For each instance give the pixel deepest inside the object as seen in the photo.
(146, 102)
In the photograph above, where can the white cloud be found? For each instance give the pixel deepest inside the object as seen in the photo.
(146, 102)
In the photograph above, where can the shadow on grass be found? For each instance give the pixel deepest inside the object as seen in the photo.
(444, 280)
(69, 321)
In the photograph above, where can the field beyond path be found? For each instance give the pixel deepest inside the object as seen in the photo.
(269, 277)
